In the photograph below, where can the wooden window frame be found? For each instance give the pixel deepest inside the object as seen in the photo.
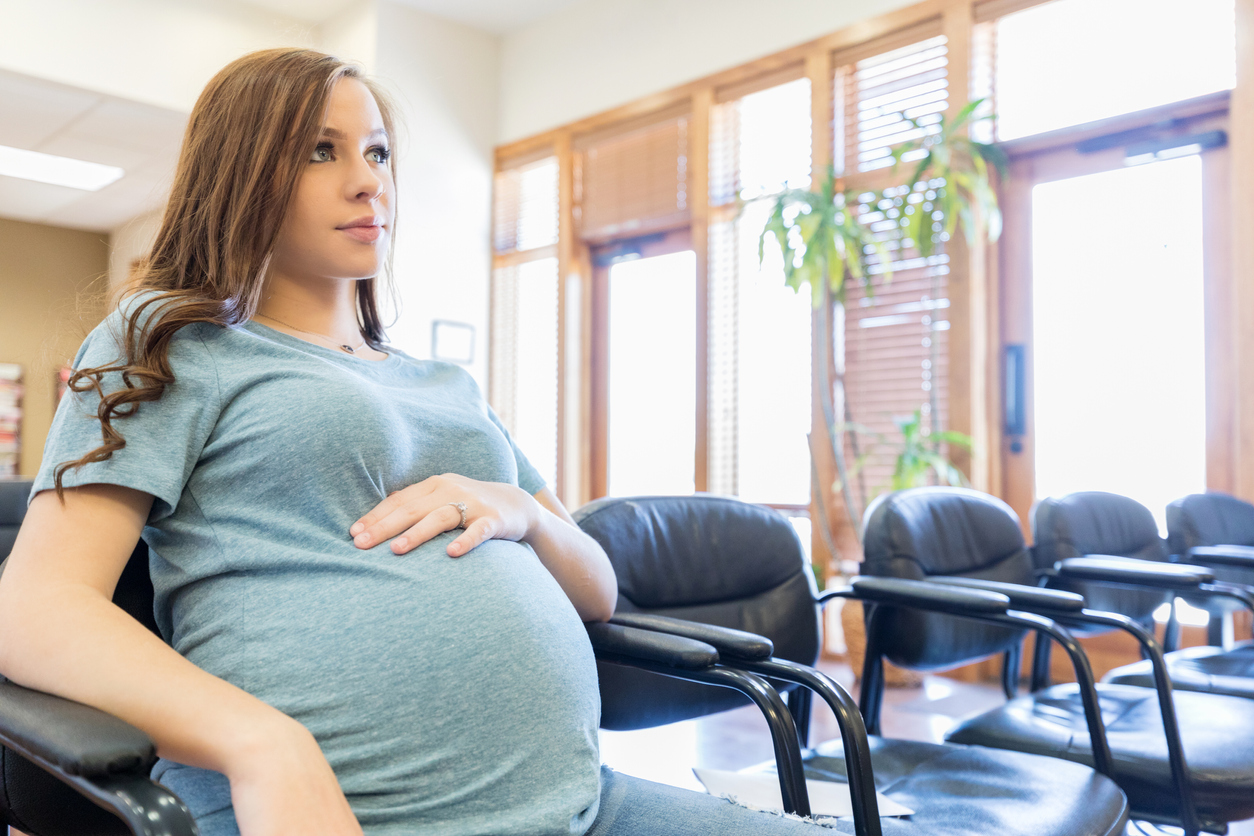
(975, 308)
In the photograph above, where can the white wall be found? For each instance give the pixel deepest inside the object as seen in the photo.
(598, 54)
(444, 78)
(130, 241)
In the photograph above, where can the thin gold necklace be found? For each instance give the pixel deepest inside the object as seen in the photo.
(349, 348)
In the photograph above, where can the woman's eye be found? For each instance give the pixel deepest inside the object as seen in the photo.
(321, 154)
(381, 154)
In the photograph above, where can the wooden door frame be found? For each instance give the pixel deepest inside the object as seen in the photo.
(647, 246)
(1057, 156)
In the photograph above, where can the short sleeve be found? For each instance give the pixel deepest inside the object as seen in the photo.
(529, 479)
(163, 438)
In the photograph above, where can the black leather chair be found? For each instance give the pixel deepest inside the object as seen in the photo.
(1094, 523)
(1216, 530)
(13, 496)
(960, 536)
(728, 564)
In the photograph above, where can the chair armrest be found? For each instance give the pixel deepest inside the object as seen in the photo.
(70, 737)
(1022, 597)
(1242, 556)
(734, 644)
(922, 594)
(630, 643)
(1133, 572)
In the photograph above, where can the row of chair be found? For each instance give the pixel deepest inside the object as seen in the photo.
(694, 562)
(717, 592)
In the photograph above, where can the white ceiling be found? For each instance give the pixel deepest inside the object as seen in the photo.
(496, 16)
(44, 116)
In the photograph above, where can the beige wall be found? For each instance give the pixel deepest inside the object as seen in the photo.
(51, 286)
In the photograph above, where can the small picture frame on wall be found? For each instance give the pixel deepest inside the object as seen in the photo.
(62, 384)
(10, 419)
(453, 342)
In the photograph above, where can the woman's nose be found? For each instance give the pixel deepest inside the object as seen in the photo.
(365, 181)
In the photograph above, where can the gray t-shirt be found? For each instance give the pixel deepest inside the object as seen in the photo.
(450, 696)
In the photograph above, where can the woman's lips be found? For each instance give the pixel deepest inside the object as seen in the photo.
(364, 234)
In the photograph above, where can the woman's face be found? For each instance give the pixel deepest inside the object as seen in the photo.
(339, 224)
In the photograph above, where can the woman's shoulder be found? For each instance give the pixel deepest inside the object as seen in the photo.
(130, 319)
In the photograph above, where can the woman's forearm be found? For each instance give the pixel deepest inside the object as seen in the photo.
(577, 562)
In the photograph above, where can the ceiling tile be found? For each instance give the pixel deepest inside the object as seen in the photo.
(32, 110)
(26, 200)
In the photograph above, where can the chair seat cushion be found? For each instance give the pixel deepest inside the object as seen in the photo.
(1218, 735)
(1210, 669)
(973, 791)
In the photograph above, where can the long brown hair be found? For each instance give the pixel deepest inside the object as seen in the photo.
(247, 142)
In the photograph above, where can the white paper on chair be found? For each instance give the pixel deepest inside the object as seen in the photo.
(760, 791)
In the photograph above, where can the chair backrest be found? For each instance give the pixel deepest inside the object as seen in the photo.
(704, 558)
(1095, 522)
(922, 532)
(13, 496)
(31, 800)
(1209, 519)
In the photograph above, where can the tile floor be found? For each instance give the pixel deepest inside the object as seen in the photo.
(737, 739)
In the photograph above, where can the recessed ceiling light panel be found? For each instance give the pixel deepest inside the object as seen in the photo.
(59, 171)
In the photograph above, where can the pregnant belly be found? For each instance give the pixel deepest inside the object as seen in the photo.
(437, 687)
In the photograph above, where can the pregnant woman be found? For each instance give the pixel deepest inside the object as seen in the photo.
(371, 604)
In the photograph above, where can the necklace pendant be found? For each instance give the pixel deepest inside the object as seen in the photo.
(348, 348)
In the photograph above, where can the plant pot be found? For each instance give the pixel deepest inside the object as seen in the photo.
(854, 627)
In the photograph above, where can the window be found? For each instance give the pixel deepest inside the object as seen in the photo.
(758, 329)
(523, 372)
(1121, 56)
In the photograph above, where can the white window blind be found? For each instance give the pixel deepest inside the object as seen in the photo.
(896, 349)
(634, 180)
(895, 338)
(879, 87)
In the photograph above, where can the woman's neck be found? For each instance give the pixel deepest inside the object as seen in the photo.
(325, 308)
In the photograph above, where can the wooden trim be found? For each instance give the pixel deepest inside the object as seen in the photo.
(565, 259)
(534, 154)
(819, 69)
(986, 10)
(699, 201)
(774, 78)
(1220, 349)
(849, 36)
(1169, 116)
(1241, 145)
(516, 257)
(920, 31)
(968, 289)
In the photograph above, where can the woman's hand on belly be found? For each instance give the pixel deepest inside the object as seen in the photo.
(413, 515)
(283, 786)
(495, 510)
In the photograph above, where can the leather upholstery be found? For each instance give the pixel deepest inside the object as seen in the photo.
(13, 496)
(1094, 522)
(959, 532)
(1051, 722)
(967, 790)
(1212, 519)
(1210, 669)
(703, 558)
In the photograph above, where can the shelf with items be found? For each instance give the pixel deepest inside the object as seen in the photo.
(10, 418)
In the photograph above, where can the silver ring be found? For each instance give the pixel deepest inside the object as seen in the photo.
(461, 507)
